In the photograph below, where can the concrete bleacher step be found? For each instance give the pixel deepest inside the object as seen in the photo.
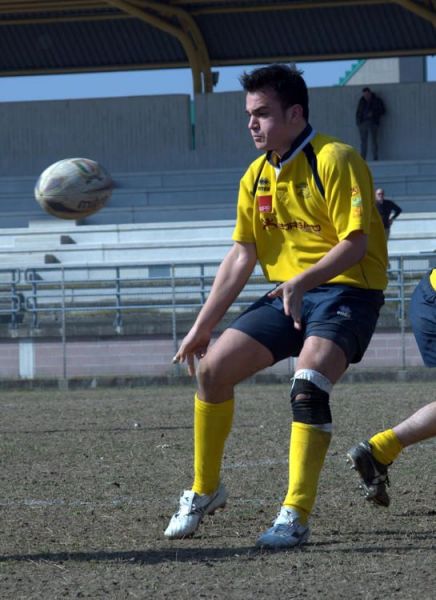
(65, 242)
(405, 178)
(413, 232)
(24, 259)
(67, 232)
(138, 197)
(146, 243)
(183, 215)
(141, 252)
(411, 246)
(203, 194)
(420, 204)
(158, 214)
(42, 241)
(414, 223)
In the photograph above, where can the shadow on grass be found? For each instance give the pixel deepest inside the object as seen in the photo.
(207, 555)
(148, 557)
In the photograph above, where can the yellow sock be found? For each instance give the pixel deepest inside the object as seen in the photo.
(385, 446)
(212, 424)
(307, 452)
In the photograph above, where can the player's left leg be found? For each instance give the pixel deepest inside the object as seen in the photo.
(339, 322)
(320, 365)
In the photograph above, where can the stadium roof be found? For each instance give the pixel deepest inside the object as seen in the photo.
(52, 36)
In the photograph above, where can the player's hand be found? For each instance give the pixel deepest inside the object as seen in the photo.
(292, 296)
(194, 346)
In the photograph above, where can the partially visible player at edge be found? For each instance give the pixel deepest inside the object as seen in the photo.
(372, 458)
(306, 212)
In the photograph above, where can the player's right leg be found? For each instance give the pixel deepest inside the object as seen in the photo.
(372, 471)
(418, 427)
(372, 458)
(234, 357)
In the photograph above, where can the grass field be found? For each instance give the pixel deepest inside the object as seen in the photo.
(90, 478)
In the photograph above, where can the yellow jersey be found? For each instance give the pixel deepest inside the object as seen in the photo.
(433, 279)
(283, 209)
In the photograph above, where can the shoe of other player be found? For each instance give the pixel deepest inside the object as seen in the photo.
(192, 509)
(287, 531)
(374, 475)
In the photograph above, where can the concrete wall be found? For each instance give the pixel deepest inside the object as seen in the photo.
(125, 134)
(149, 133)
(405, 69)
(137, 357)
(406, 129)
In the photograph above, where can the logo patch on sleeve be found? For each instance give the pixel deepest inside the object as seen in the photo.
(355, 191)
(264, 203)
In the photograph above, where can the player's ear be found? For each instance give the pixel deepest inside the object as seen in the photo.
(298, 111)
(295, 112)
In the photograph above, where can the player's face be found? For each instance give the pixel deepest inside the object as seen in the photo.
(272, 127)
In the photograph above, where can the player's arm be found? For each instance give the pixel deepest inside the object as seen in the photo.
(338, 259)
(231, 277)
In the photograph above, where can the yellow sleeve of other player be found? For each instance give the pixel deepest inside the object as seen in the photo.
(433, 279)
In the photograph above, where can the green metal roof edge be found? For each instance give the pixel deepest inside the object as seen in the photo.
(349, 74)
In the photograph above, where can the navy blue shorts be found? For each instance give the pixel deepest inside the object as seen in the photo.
(422, 313)
(344, 314)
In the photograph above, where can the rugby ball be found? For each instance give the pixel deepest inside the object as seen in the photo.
(73, 188)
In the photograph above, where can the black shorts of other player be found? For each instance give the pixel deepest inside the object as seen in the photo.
(422, 315)
(343, 314)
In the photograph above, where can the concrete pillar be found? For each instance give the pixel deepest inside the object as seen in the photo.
(26, 359)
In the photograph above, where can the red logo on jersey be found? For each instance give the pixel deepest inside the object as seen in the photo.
(264, 203)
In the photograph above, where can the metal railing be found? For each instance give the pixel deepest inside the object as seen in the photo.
(70, 293)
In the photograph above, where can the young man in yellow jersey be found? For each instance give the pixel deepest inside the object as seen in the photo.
(372, 458)
(306, 212)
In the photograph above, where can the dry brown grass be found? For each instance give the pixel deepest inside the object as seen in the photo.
(85, 497)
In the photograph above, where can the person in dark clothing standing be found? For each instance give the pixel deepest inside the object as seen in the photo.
(388, 210)
(368, 114)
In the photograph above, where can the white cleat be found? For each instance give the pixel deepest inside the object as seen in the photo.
(192, 509)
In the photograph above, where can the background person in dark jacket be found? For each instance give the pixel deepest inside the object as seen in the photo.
(388, 210)
(368, 114)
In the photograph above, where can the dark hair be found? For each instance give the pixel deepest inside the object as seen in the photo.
(366, 89)
(285, 80)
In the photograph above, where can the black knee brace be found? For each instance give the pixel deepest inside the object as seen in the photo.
(312, 406)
